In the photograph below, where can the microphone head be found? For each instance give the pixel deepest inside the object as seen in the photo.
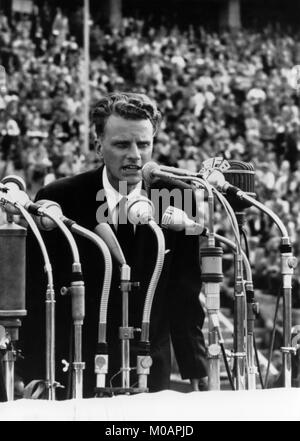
(242, 175)
(44, 222)
(16, 187)
(177, 220)
(104, 231)
(12, 196)
(216, 178)
(173, 219)
(14, 182)
(147, 171)
(140, 210)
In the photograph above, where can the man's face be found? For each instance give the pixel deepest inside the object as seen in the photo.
(126, 146)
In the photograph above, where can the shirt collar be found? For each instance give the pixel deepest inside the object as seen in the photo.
(113, 197)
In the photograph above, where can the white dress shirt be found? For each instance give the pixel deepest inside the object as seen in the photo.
(113, 197)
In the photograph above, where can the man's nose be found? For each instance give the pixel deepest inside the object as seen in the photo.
(134, 152)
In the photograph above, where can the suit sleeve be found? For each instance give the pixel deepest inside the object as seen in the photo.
(187, 315)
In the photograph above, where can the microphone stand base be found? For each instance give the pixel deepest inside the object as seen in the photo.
(102, 392)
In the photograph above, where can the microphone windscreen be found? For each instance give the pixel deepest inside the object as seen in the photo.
(140, 210)
(148, 169)
(12, 196)
(12, 182)
(44, 222)
(242, 175)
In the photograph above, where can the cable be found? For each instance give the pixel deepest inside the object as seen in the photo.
(227, 366)
(258, 364)
(243, 232)
(232, 218)
(272, 341)
(113, 377)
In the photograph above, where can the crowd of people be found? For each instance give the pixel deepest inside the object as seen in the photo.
(228, 93)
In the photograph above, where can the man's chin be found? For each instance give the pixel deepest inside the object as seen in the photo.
(131, 181)
(132, 178)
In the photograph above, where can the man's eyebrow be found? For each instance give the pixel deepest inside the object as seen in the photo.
(120, 140)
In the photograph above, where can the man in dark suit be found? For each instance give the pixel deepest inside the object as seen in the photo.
(125, 126)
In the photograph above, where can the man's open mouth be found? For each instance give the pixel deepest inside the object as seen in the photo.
(131, 167)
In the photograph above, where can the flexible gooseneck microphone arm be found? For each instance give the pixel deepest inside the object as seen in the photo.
(141, 211)
(126, 332)
(211, 279)
(240, 310)
(11, 200)
(288, 264)
(154, 279)
(101, 359)
(152, 171)
(77, 295)
(50, 307)
(213, 253)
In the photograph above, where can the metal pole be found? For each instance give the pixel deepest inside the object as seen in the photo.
(78, 366)
(288, 263)
(239, 315)
(125, 344)
(9, 370)
(50, 343)
(126, 332)
(86, 74)
(212, 276)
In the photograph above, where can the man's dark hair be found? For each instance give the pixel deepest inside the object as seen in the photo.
(127, 105)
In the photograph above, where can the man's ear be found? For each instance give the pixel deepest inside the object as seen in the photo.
(98, 147)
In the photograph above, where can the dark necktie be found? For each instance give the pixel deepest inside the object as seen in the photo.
(125, 231)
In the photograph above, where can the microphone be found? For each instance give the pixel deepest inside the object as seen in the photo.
(12, 190)
(11, 198)
(240, 182)
(177, 171)
(140, 210)
(14, 182)
(153, 173)
(177, 220)
(106, 233)
(43, 221)
(242, 175)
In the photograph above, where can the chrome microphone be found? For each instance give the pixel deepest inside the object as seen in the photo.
(153, 173)
(177, 220)
(14, 182)
(242, 175)
(43, 221)
(12, 190)
(234, 178)
(140, 210)
(13, 255)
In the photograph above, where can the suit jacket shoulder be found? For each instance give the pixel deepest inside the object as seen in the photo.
(77, 196)
(82, 183)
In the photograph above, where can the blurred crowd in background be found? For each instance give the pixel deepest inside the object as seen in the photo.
(224, 93)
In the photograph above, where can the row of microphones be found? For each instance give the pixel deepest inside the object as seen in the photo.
(233, 178)
(224, 175)
(237, 176)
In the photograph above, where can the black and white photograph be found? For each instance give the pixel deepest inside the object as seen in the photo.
(149, 213)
